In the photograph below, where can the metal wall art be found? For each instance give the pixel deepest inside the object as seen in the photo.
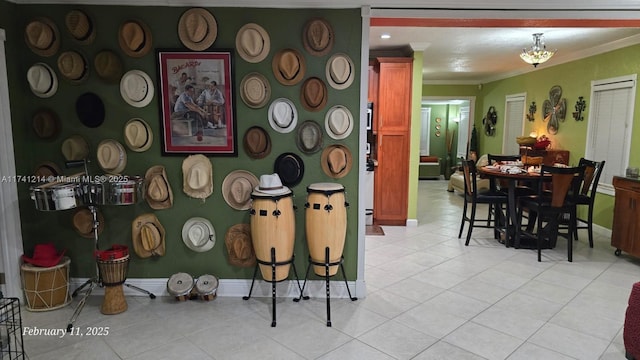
(554, 109)
(580, 106)
(489, 121)
(532, 110)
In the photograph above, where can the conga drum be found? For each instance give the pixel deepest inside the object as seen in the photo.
(46, 288)
(273, 226)
(113, 265)
(180, 285)
(325, 224)
(206, 287)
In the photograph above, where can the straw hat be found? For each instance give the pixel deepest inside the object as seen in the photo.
(197, 29)
(47, 169)
(138, 135)
(74, 148)
(73, 66)
(43, 81)
(283, 115)
(340, 71)
(318, 37)
(270, 184)
(136, 88)
(309, 139)
(313, 94)
(197, 176)
(289, 66)
(111, 156)
(148, 236)
(237, 187)
(46, 124)
(44, 255)
(158, 194)
(338, 122)
(80, 26)
(134, 38)
(83, 222)
(42, 36)
(257, 142)
(108, 66)
(255, 90)
(239, 246)
(253, 43)
(198, 234)
(290, 168)
(90, 110)
(336, 161)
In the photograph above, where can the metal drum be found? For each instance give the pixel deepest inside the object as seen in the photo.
(273, 226)
(127, 191)
(206, 287)
(180, 285)
(325, 224)
(57, 196)
(95, 192)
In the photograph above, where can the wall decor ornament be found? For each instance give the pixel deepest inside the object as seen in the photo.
(532, 111)
(554, 109)
(490, 121)
(580, 106)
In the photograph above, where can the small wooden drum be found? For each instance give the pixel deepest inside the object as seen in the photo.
(180, 286)
(46, 288)
(273, 226)
(206, 287)
(325, 224)
(113, 265)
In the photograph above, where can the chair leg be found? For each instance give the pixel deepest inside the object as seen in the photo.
(590, 226)
(539, 238)
(472, 219)
(572, 223)
(491, 209)
(464, 216)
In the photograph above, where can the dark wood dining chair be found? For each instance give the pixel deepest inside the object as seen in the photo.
(472, 198)
(550, 206)
(587, 195)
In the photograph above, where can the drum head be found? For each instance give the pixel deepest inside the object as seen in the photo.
(325, 187)
(180, 284)
(206, 284)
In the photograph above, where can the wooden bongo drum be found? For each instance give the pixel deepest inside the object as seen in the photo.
(325, 224)
(113, 265)
(180, 285)
(206, 287)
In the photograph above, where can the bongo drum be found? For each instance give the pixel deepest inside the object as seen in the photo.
(180, 285)
(273, 226)
(325, 224)
(113, 265)
(206, 287)
(46, 288)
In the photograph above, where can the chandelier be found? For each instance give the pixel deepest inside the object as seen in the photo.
(538, 53)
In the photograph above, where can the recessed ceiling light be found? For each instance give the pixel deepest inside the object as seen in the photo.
(385, 36)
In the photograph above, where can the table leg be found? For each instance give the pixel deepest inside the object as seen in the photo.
(512, 220)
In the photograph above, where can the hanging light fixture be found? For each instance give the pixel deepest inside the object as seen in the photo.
(538, 53)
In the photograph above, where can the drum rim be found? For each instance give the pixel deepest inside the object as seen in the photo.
(65, 260)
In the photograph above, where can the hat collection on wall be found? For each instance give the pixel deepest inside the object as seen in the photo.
(197, 31)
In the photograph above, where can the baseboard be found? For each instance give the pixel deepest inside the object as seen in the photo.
(412, 223)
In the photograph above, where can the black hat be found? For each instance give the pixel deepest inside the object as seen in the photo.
(290, 168)
(90, 110)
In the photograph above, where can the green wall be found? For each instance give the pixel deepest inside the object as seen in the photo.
(285, 27)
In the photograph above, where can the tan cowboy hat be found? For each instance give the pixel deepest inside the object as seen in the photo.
(336, 161)
(108, 66)
(83, 222)
(313, 94)
(46, 124)
(158, 194)
(80, 26)
(255, 90)
(42, 36)
(198, 234)
(237, 187)
(239, 246)
(134, 37)
(148, 236)
(73, 66)
(136, 88)
(289, 66)
(197, 176)
(253, 43)
(111, 156)
(309, 139)
(197, 29)
(138, 135)
(257, 142)
(283, 115)
(338, 122)
(340, 71)
(270, 184)
(43, 81)
(74, 148)
(47, 169)
(318, 37)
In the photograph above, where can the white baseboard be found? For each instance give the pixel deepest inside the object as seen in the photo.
(412, 222)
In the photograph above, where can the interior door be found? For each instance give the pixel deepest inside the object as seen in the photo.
(513, 123)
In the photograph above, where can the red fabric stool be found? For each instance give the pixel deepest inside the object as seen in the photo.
(631, 332)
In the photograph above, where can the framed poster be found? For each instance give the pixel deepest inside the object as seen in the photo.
(197, 110)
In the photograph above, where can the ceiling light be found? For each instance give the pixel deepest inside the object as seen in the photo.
(385, 36)
(538, 53)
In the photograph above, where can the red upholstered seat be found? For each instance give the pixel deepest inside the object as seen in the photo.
(631, 332)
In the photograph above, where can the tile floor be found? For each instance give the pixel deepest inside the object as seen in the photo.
(429, 297)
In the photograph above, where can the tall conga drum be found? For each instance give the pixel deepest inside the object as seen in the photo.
(273, 226)
(113, 265)
(325, 224)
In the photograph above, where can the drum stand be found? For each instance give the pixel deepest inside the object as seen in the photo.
(273, 263)
(326, 265)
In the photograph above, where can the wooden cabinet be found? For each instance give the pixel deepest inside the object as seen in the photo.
(625, 235)
(392, 113)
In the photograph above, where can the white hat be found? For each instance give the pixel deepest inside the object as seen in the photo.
(111, 156)
(255, 90)
(340, 71)
(270, 185)
(338, 122)
(198, 234)
(136, 88)
(138, 135)
(283, 115)
(253, 43)
(42, 80)
(197, 176)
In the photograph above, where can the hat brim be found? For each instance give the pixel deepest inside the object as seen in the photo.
(327, 123)
(281, 165)
(240, 232)
(305, 89)
(330, 79)
(275, 66)
(228, 181)
(305, 38)
(55, 45)
(52, 117)
(136, 236)
(90, 110)
(148, 43)
(317, 145)
(185, 234)
(266, 40)
(122, 164)
(87, 39)
(325, 163)
(208, 40)
(148, 96)
(54, 83)
(158, 170)
(187, 164)
(147, 128)
(272, 121)
(245, 142)
(85, 69)
(89, 235)
(266, 95)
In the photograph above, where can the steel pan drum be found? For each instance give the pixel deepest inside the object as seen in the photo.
(114, 190)
(57, 196)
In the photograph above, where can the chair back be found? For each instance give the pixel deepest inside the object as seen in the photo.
(470, 173)
(592, 172)
(563, 182)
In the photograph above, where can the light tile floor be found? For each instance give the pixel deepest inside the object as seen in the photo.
(429, 297)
